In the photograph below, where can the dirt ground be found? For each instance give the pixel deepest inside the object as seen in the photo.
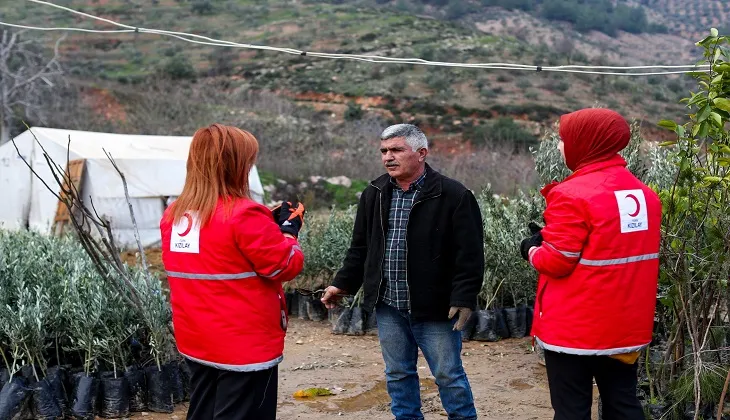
(506, 379)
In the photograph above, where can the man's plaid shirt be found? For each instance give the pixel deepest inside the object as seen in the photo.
(394, 266)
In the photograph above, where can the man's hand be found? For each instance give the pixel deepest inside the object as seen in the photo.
(464, 314)
(332, 295)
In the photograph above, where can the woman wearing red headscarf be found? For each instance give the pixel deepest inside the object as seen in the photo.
(597, 257)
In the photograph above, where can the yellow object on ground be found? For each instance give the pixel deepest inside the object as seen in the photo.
(312, 392)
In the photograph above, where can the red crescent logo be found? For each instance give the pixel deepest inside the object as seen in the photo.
(190, 224)
(638, 206)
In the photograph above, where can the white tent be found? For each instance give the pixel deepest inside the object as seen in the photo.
(154, 167)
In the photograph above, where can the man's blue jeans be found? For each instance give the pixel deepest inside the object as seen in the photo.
(400, 339)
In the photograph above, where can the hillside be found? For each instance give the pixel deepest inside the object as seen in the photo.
(690, 19)
(349, 29)
(128, 81)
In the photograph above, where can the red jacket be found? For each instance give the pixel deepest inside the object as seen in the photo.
(598, 263)
(228, 307)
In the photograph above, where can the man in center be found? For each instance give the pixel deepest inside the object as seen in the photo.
(417, 251)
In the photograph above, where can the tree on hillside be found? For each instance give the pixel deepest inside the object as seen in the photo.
(28, 80)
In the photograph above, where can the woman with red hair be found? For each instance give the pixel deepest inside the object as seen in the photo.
(597, 259)
(226, 257)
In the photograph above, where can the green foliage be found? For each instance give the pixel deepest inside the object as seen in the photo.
(647, 161)
(202, 7)
(586, 15)
(325, 241)
(353, 112)
(179, 67)
(508, 279)
(344, 196)
(503, 131)
(439, 80)
(506, 131)
(54, 306)
(549, 162)
(711, 379)
(266, 177)
(456, 10)
(696, 231)
(600, 15)
(525, 5)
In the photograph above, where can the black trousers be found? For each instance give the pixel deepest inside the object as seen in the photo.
(571, 387)
(224, 395)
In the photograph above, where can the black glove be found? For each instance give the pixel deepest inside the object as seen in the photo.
(290, 217)
(534, 240)
(534, 228)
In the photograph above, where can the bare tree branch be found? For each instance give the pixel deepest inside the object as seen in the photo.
(28, 80)
(140, 248)
(103, 252)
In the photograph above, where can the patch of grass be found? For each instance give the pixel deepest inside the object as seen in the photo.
(343, 196)
(266, 177)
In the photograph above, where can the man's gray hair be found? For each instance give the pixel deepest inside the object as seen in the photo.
(413, 135)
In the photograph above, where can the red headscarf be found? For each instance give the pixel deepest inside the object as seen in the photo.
(592, 135)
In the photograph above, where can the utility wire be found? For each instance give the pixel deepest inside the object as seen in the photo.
(204, 40)
(38, 28)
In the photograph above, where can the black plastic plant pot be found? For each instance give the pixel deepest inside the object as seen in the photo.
(371, 323)
(485, 328)
(28, 373)
(343, 321)
(316, 310)
(45, 403)
(86, 393)
(334, 314)
(176, 383)
(15, 399)
(516, 321)
(655, 411)
(292, 303)
(186, 376)
(501, 324)
(57, 376)
(114, 397)
(100, 396)
(302, 308)
(70, 384)
(468, 331)
(159, 390)
(4, 377)
(137, 383)
(357, 322)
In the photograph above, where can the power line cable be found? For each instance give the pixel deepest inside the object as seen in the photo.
(194, 38)
(38, 28)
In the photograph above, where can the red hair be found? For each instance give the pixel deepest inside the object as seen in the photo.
(219, 161)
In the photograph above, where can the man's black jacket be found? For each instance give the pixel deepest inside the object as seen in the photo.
(444, 247)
